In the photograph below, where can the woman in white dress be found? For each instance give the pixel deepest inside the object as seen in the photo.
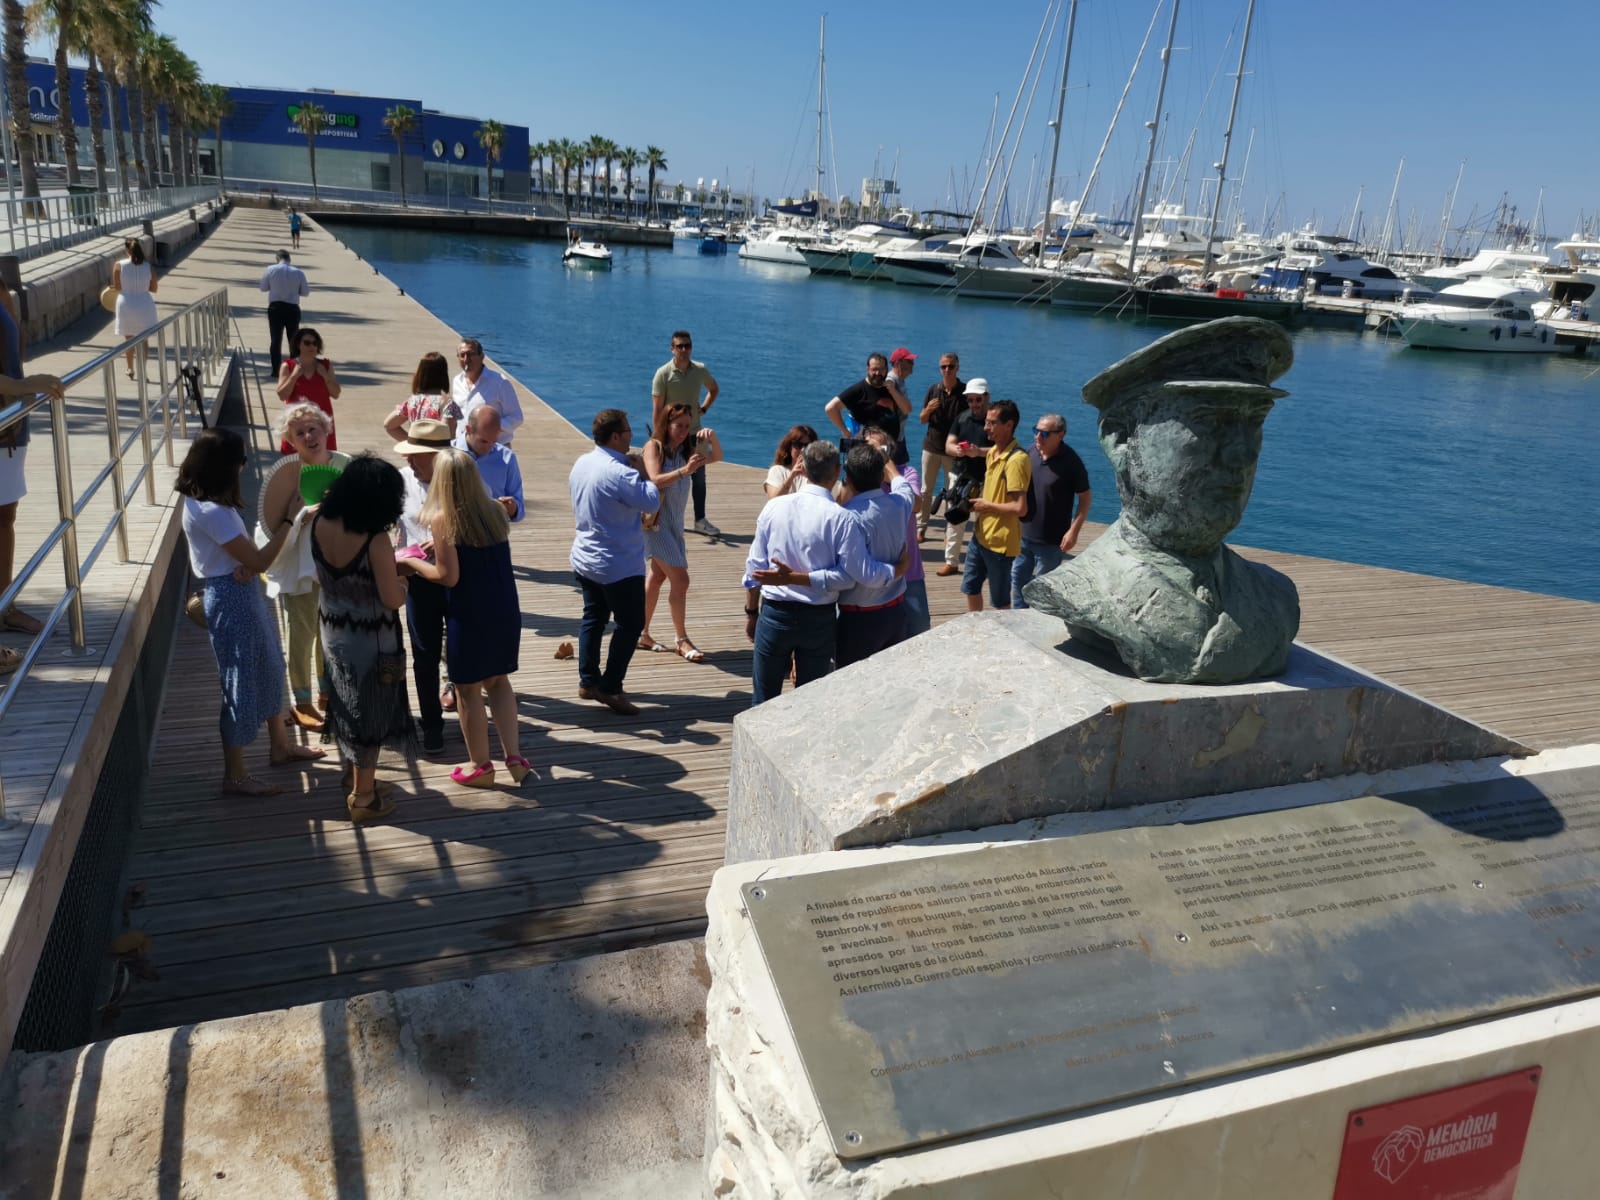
(135, 281)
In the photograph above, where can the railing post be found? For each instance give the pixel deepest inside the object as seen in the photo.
(180, 359)
(114, 436)
(70, 564)
(144, 424)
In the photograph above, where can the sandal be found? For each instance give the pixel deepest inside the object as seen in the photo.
(17, 621)
(248, 785)
(447, 698)
(297, 754)
(646, 642)
(519, 767)
(10, 660)
(479, 777)
(307, 717)
(692, 654)
(382, 805)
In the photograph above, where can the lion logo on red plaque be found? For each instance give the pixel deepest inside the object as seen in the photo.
(1398, 1153)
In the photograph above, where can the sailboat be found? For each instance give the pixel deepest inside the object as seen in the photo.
(781, 243)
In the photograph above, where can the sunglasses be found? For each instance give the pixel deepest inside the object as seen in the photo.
(949, 366)
(683, 345)
(1045, 432)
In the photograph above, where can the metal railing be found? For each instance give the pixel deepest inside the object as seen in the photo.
(189, 344)
(48, 223)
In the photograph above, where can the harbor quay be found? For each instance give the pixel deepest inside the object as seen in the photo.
(498, 992)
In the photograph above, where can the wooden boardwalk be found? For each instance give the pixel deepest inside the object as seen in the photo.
(257, 904)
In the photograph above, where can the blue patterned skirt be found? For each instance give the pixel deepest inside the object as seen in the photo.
(244, 638)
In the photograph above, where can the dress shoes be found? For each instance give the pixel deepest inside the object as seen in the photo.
(618, 703)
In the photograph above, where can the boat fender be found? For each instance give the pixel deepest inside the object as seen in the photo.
(1495, 333)
(1542, 335)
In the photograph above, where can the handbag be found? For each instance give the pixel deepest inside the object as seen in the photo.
(195, 609)
(108, 297)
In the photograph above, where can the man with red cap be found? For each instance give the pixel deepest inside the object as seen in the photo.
(901, 363)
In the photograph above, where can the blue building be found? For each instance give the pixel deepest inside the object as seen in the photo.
(442, 156)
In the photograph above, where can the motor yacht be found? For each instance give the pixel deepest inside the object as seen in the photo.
(594, 256)
(1486, 264)
(947, 264)
(781, 244)
(1488, 316)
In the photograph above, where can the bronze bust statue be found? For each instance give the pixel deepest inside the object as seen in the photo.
(1181, 422)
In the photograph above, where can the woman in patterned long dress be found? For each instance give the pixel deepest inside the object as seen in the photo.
(244, 636)
(361, 596)
(430, 397)
(669, 461)
(483, 629)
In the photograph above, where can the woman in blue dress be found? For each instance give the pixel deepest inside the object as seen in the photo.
(483, 621)
(669, 460)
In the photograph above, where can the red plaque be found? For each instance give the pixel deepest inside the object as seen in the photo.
(1462, 1143)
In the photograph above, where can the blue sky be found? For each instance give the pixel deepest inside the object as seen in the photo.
(1336, 94)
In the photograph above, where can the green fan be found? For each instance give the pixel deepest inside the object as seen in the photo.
(315, 481)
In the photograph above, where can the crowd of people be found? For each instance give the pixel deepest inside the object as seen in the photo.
(833, 575)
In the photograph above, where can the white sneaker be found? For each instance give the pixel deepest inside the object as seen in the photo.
(706, 527)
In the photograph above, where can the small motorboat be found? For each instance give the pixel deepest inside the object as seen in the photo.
(714, 243)
(592, 255)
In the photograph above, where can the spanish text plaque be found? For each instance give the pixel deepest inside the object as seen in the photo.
(960, 992)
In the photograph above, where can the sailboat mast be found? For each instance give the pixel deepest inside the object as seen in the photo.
(822, 84)
(1055, 145)
(1227, 139)
(1388, 220)
(1449, 211)
(1155, 129)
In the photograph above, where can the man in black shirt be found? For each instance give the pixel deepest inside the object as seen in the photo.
(940, 407)
(1050, 531)
(967, 446)
(875, 400)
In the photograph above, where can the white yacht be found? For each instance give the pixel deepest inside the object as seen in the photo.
(781, 244)
(834, 256)
(1489, 316)
(946, 264)
(1486, 264)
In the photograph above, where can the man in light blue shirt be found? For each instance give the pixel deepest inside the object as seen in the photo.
(805, 552)
(284, 284)
(873, 618)
(609, 496)
(502, 477)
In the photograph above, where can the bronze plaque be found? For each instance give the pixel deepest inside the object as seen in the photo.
(960, 992)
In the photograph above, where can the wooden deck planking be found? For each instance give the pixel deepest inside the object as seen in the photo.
(255, 904)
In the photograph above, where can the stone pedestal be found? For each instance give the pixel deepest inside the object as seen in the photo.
(1269, 1132)
(998, 717)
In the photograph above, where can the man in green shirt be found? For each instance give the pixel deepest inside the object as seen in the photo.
(680, 381)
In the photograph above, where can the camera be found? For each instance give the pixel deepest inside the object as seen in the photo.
(847, 444)
(957, 498)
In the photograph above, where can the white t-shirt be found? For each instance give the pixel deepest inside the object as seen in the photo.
(208, 526)
(412, 531)
(778, 477)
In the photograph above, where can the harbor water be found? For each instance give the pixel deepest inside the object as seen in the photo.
(1474, 467)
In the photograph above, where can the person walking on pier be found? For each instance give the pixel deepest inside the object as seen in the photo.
(295, 221)
(244, 635)
(284, 283)
(134, 279)
(680, 380)
(478, 385)
(610, 496)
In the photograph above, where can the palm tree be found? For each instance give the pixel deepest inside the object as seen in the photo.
(611, 150)
(308, 118)
(60, 19)
(491, 136)
(655, 158)
(218, 108)
(401, 122)
(568, 154)
(628, 159)
(594, 149)
(16, 32)
(117, 27)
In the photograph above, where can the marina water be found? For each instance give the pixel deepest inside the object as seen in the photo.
(1475, 467)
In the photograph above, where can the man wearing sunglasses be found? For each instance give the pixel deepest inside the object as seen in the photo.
(945, 401)
(1050, 527)
(680, 380)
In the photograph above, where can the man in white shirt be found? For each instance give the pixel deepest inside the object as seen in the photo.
(284, 284)
(478, 385)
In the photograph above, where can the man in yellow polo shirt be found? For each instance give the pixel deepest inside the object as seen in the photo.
(998, 538)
